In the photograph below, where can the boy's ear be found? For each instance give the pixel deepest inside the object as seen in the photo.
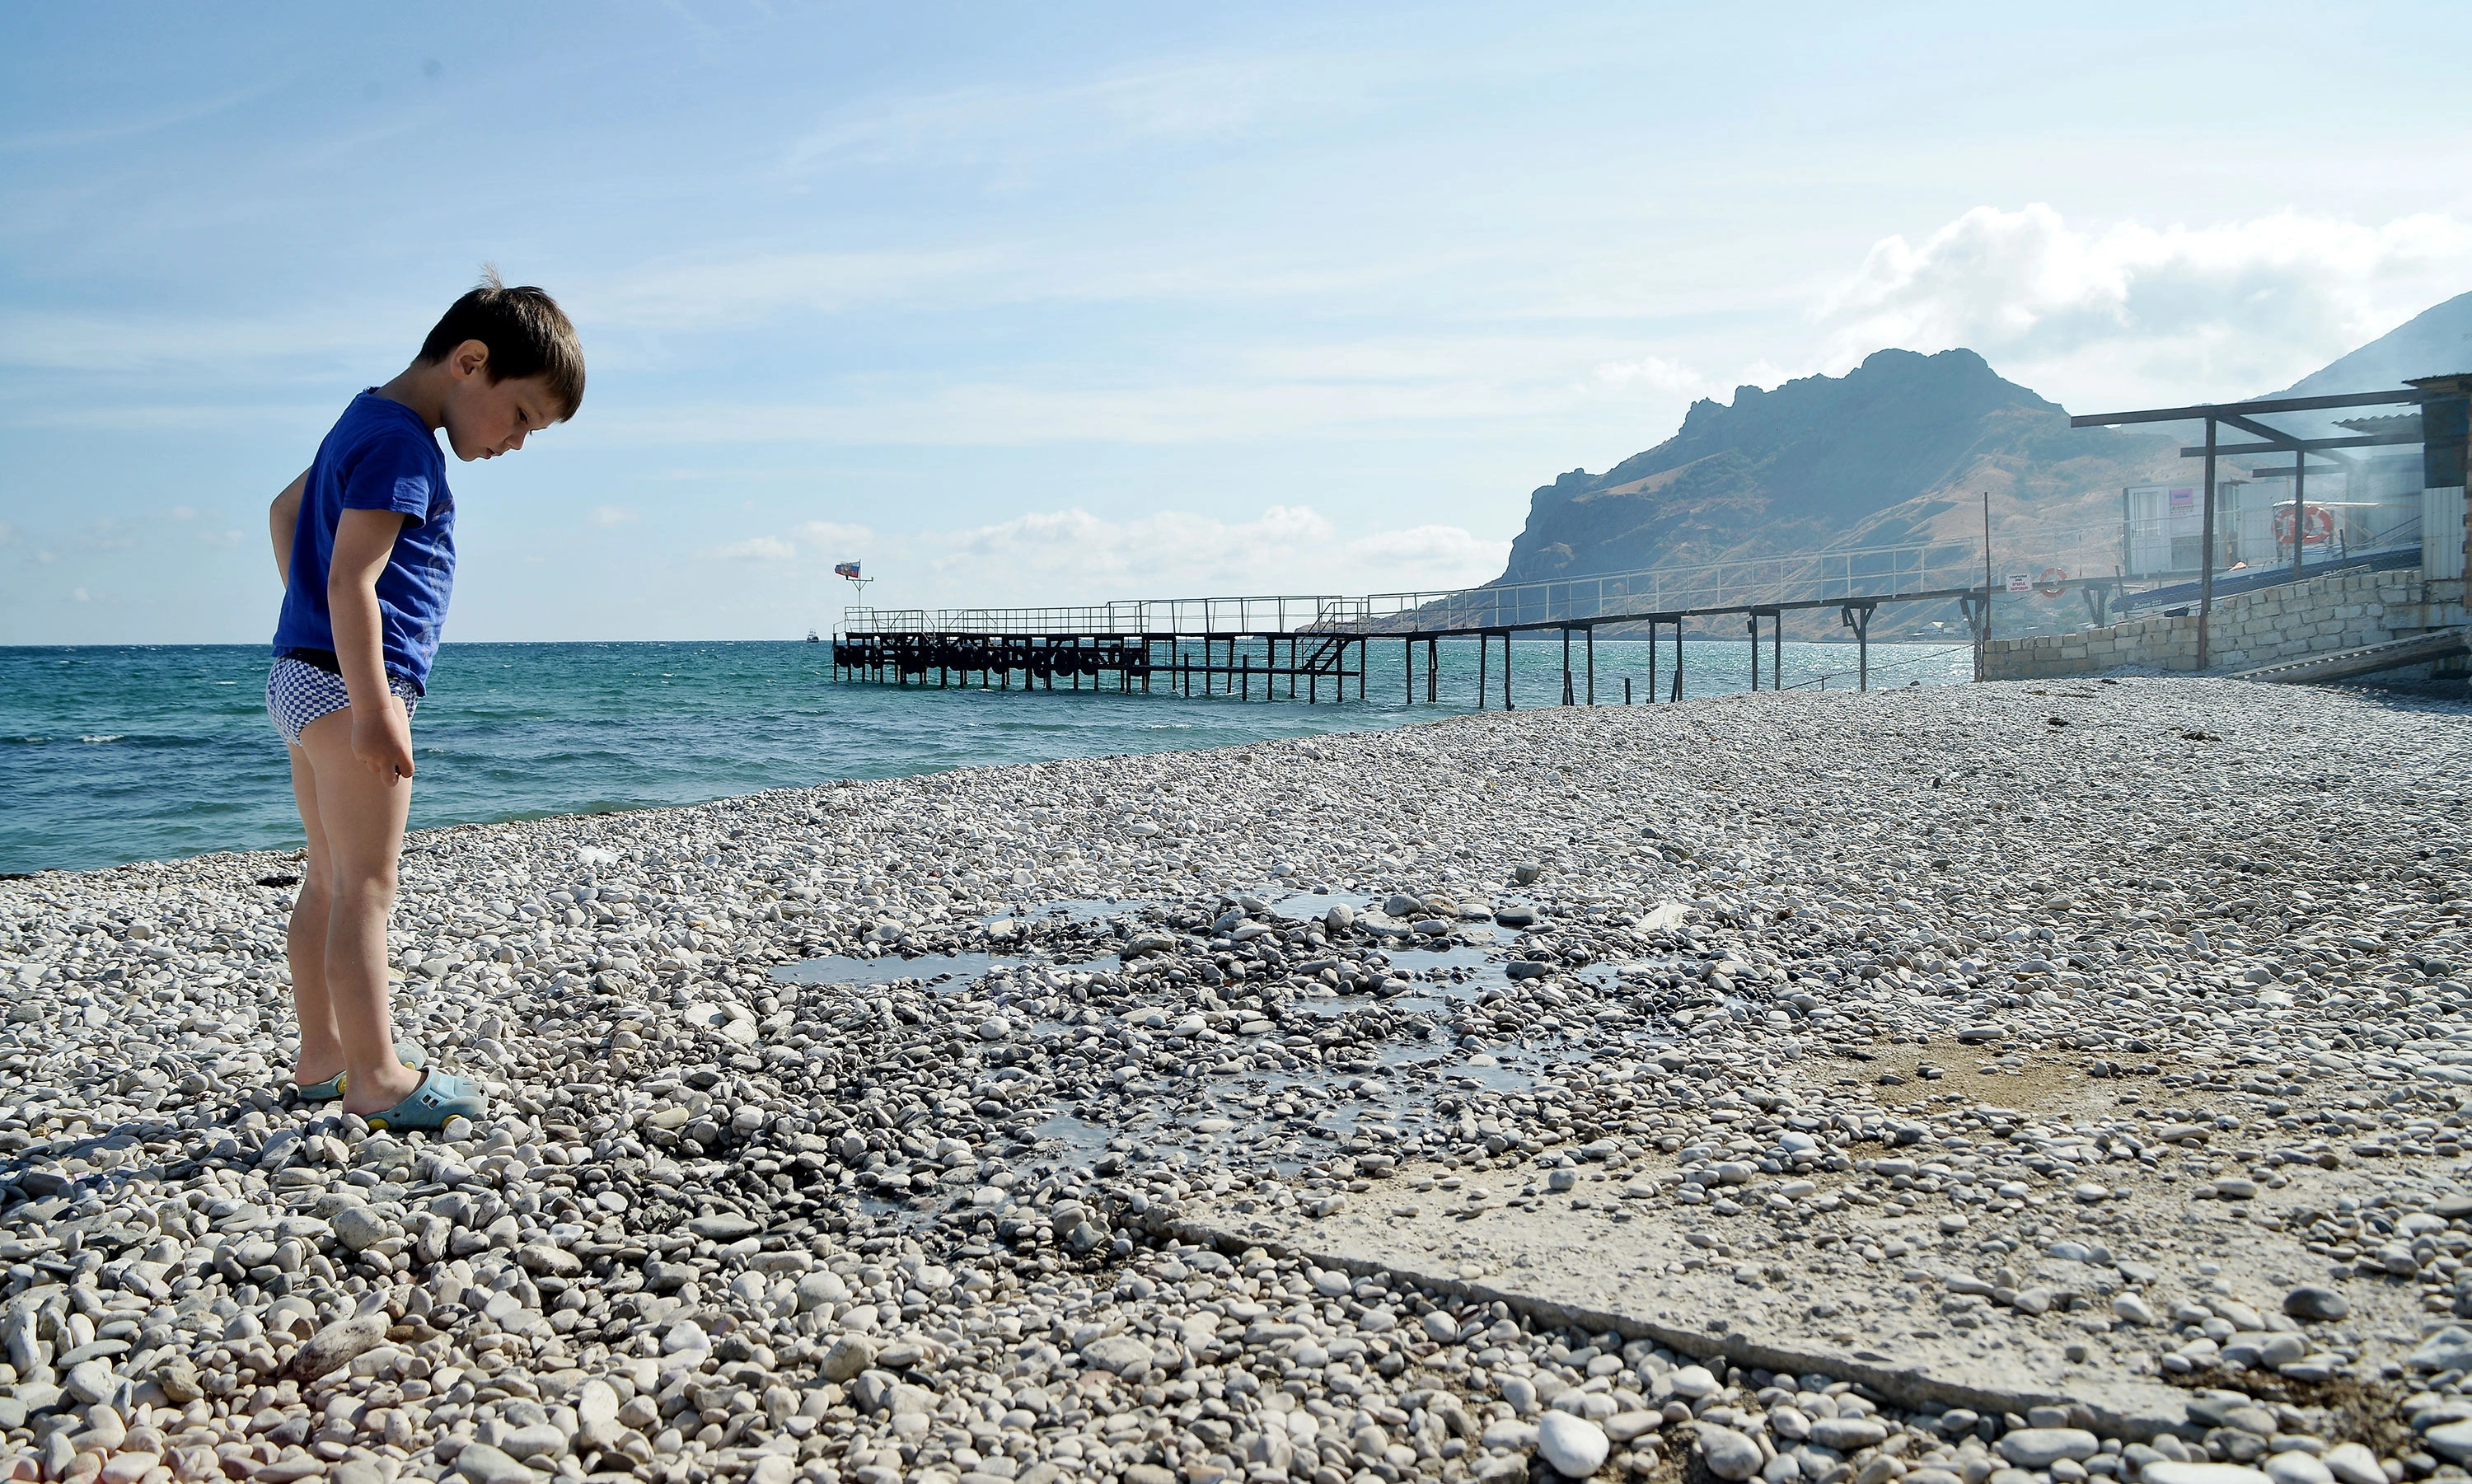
(470, 357)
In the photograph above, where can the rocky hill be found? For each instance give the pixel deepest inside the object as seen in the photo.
(1896, 450)
(2433, 343)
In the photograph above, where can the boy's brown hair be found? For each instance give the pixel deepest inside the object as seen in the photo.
(527, 333)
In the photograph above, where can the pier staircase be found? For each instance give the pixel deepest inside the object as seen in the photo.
(1327, 657)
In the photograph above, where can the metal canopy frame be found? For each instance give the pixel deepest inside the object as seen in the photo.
(2289, 443)
(2244, 416)
(2399, 396)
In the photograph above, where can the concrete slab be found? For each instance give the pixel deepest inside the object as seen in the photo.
(1849, 1274)
(1643, 1279)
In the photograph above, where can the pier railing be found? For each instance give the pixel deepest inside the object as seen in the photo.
(1277, 613)
(1808, 577)
(1830, 575)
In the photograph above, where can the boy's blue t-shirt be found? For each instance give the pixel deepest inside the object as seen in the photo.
(378, 456)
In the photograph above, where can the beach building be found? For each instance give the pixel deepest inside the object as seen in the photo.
(2319, 537)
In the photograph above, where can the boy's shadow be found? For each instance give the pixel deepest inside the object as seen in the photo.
(29, 1191)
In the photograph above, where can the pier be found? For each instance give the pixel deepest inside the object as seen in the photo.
(1311, 647)
(1116, 647)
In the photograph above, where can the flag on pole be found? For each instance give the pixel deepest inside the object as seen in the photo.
(845, 569)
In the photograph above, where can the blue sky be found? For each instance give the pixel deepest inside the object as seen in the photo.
(1066, 302)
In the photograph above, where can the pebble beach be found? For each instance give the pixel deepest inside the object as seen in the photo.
(2004, 1084)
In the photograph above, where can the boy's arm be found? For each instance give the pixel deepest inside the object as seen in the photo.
(381, 737)
(283, 520)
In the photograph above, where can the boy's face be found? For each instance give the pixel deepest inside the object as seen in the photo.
(485, 418)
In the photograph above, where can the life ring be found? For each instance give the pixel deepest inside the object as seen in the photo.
(2317, 525)
(2052, 582)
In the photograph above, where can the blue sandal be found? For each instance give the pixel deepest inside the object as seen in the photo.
(441, 1096)
(408, 1052)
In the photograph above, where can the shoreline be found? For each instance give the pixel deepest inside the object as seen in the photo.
(1914, 1002)
(148, 755)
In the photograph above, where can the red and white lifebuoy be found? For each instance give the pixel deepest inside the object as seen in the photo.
(2053, 582)
(2317, 525)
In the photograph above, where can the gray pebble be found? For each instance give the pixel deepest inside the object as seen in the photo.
(2312, 1302)
(1727, 1453)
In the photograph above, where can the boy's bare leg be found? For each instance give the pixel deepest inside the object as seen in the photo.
(362, 816)
(322, 1046)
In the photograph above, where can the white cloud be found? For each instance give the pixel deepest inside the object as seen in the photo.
(1072, 550)
(79, 594)
(757, 548)
(828, 536)
(108, 536)
(1285, 549)
(1075, 556)
(607, 516)
(1655, 372)
(1446, 551)
(734, 289)
(223, 538)
(822, 537)
(165, 116)
(1251, 402)
(268, 417)
(2132, 312)
(1010, 130)
(50, 339)
(710, 291)
(182, 512)
(1419, 558)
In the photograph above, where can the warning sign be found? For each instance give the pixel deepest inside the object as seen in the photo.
(2021, 582)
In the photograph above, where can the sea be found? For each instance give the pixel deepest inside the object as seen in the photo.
(112, 754)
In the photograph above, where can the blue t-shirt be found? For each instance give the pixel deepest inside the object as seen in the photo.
(378, 456)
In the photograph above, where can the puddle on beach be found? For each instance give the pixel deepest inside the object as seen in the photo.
(944, 973)
(1323, 1108)
(1074, 1138)
(1421, 959)
(948, 973)
(1078, 909)
(1305, 906)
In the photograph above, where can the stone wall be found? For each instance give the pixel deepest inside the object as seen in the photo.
(2322, 614)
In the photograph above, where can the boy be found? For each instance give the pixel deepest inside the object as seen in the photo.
(364, 543)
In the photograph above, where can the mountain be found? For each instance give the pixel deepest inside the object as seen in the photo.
(1894, 450)
(1900, 449)
(2432, 343)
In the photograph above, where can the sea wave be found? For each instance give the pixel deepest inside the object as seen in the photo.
(532, 731)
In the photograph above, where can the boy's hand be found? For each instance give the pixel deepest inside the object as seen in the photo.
(381, 732)
(283, 523)
(382, 740)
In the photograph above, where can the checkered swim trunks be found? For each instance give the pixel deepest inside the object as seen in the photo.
(298, 693)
